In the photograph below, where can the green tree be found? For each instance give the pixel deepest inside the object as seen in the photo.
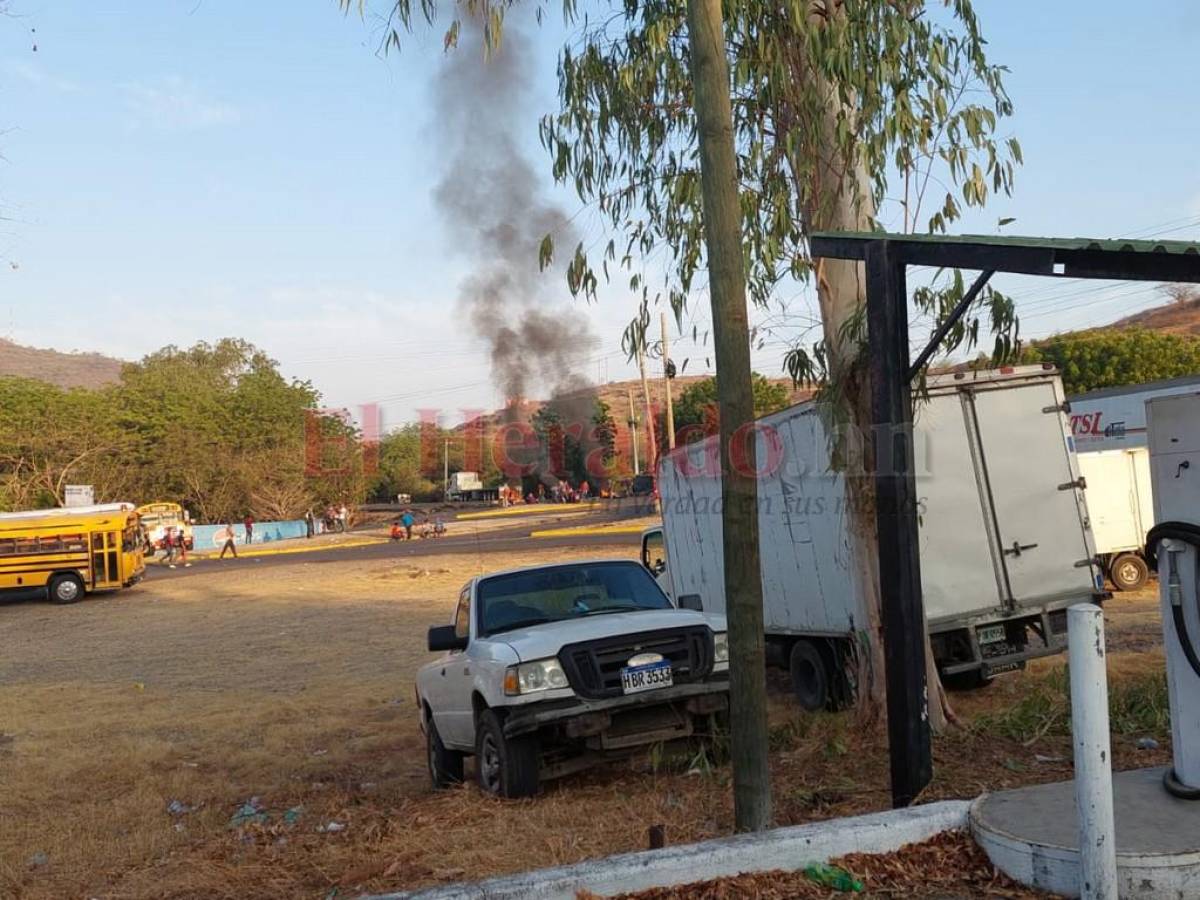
(50, 437)
(219, 428)
(604, 431)
(697, 404)
(1090, 360)
(562, 444)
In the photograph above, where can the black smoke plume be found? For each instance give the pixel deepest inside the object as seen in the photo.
(497, 212)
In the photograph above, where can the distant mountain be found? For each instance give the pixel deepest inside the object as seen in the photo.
(67, 370)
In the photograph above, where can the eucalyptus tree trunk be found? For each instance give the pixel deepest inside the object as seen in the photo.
(839, 198)
(739, 488)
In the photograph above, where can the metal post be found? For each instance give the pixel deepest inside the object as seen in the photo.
(896, 526)
(1093, 756)
(445, 468)
(666, 348)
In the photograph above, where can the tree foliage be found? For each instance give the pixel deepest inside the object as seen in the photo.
(901, 92)
(1090, 360)
(697, 414)
(604, 432)
(216, 427)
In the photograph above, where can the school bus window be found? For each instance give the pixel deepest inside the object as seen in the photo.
(27, 545)
(7, 546)
(74, 542)
(50, 544)
(97, 541)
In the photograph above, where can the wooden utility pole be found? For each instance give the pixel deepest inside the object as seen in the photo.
(667, 375)
(651, 446)
(739, 487)
(633, 432)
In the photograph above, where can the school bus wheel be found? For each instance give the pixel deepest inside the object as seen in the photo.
(65, 589)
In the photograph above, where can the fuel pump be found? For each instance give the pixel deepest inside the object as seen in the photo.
(1173, 546)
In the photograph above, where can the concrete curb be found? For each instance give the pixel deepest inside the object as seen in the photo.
(782, 848)
(534, 509)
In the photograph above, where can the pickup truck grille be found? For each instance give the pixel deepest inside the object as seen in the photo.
(594, 667)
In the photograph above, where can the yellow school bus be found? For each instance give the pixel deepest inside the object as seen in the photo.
(156, 518)
(65, 553)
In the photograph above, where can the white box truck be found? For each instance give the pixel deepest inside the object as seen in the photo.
(1115, 418)
(1005, 542)
(1121, 505)
(1109, 427)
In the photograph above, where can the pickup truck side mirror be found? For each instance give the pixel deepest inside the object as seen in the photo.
(444, 637)
(691, 601)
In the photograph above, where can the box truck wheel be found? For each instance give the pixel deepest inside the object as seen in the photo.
(810, 677)
(1128, 572)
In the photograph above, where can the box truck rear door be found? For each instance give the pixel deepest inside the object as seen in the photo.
(1030, 479)
(959, 573)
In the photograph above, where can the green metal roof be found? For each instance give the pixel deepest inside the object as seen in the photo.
(1107, 245)
(1114, 258)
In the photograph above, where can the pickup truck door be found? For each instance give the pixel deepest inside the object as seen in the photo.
(453, 712)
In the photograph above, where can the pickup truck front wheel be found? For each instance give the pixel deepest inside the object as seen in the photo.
(506, 767)
(445, 766)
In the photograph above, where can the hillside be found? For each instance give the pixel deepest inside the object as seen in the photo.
(1180, 316)
(67, 370)
(617, 393)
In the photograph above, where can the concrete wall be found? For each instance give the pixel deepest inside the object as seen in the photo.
(204, 537)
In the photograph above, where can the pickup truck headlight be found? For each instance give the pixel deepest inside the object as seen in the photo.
(531, 677)
(721, 650)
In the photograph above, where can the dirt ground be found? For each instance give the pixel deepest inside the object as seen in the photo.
(135, 727)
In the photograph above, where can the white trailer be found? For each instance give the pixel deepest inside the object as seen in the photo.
(464, 486)
(1109, 428)
(1115, 418)
(1005, 541)
(1121, 506)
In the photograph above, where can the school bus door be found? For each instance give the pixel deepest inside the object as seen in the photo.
(106, 560)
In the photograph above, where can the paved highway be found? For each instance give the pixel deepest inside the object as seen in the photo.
(461, 538)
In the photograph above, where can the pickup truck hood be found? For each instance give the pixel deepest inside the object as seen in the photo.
(542, 641)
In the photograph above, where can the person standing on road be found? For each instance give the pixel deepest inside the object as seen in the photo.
(181, 546)
(228, 546)
(169, 547)
(248, 524)
(310, 524)
(407, 521)
(344, 518)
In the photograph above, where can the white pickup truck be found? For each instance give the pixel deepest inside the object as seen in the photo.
(550, 669)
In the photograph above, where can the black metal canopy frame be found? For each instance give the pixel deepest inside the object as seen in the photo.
(887, 257)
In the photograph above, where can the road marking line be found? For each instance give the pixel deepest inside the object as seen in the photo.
(273, 551)
(535, 509)
(579, 530)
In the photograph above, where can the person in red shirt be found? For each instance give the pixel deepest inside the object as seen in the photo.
(249, 525)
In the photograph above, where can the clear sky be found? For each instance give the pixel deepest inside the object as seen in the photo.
(189, 169)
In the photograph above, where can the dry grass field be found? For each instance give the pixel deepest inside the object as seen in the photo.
(291, 687)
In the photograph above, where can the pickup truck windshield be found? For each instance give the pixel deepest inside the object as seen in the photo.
(521, 599)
